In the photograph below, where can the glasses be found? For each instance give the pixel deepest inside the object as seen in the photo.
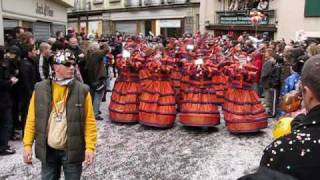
(69, 64)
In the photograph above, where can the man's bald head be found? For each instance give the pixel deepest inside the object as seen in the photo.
(310, 76)
(310, 81)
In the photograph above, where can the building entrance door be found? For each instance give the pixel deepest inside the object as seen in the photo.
(147, 27)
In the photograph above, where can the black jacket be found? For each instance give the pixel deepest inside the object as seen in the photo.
(271, 75)
(28, 77)
(267, 174)
(297, 154)
(117, 49)
(14, 70)
(43, 67)
(96, 69)
(5, 85)
(275, 77)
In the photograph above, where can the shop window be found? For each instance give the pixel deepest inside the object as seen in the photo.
(312, 8)
(240, 5)
(98, 2)
(171, 32)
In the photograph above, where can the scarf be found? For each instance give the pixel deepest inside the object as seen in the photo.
(63, 82)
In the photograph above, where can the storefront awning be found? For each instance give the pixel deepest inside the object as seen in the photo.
(65, 3)
(20, 17)
(29, 19)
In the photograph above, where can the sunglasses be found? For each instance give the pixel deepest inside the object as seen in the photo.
(69, 64)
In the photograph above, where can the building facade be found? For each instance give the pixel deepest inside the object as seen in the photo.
(283, 18)
(42, 17)
(160, 17)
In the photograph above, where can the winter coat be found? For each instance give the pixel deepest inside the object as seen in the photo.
(96, 69)
(29, 76)
(290, 83)
(275, 76)
(43, 67)
(271, 75)
(5, 85)
(267, 174)
(117, 49)
(14, 69)
(297, 154)
(265, 74)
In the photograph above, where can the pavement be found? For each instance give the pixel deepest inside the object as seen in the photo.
(139, 152)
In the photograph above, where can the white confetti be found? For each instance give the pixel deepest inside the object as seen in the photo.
(308, 150)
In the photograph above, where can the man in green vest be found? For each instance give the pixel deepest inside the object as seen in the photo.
(61, 122)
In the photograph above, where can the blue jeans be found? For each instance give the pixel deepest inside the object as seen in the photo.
(98, 95)
(51, 170)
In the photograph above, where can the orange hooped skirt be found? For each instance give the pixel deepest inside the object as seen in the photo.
(199, 105)
(157, 104)
(220, 86)
(124, 102)
(176, 78)
(243, 112)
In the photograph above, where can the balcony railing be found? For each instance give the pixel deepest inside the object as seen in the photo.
(133, 3)
(243, 17)
(143, 3)
(177, 1)
(81, 9)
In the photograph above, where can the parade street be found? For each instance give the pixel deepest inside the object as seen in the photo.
(138, 152)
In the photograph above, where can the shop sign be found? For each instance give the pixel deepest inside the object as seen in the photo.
(240, 20)
(44, 9)
(170, 23)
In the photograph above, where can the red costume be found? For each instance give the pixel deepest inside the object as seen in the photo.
(199, 100)
(125, 95)
(243, 111)
(157, 102)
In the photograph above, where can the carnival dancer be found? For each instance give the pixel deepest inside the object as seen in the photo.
(124, 103)
(175, 75)
(243, 112)
(220, 80)
(199, 100)
(157, 102)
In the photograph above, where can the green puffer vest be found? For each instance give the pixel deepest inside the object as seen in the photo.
(75, 120)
